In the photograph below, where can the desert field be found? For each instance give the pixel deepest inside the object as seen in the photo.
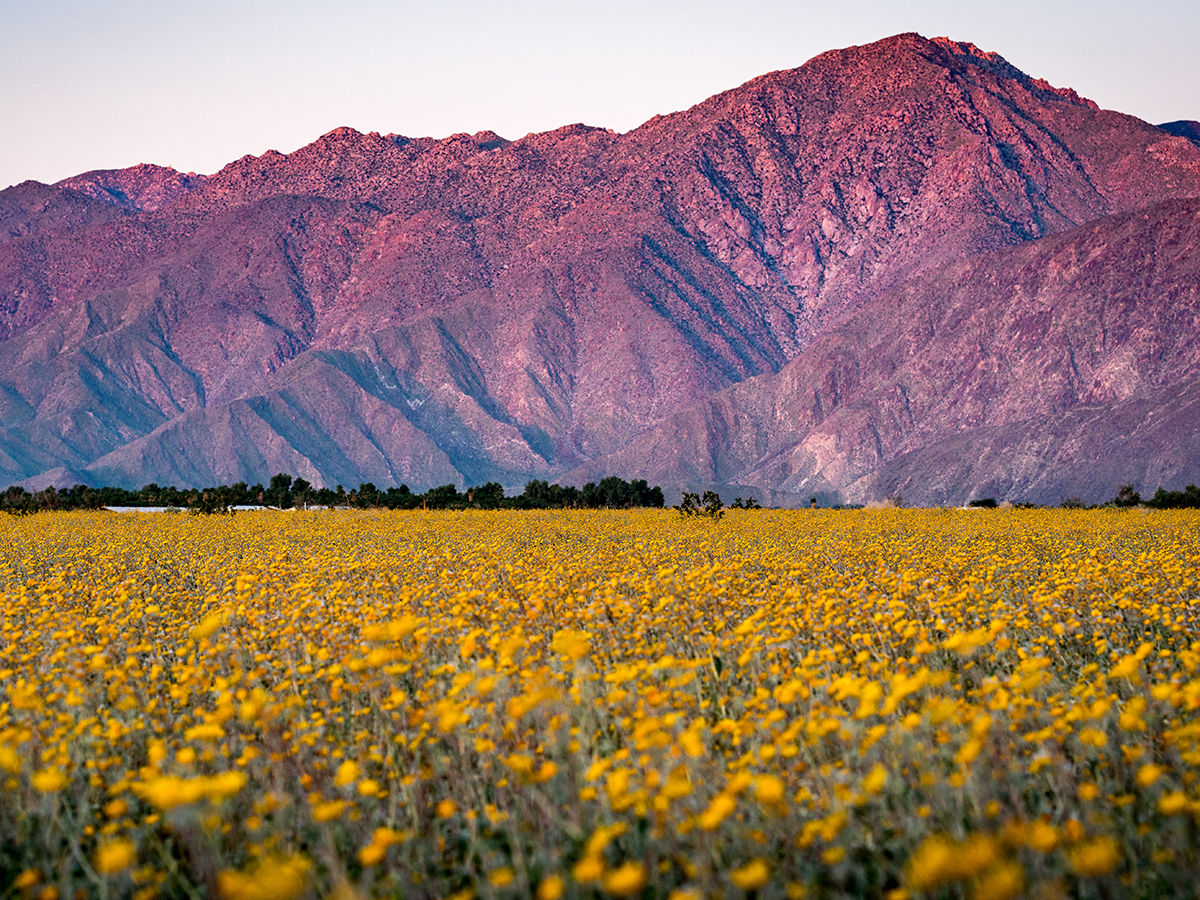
(894, 703)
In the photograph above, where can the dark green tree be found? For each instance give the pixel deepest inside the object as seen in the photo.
(279, 493)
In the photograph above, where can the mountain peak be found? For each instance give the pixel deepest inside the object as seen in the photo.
(879, 57)
(342, 132)
(467, 308)
(999, 66)
(966, 48)
(351, 139)
(144, 186)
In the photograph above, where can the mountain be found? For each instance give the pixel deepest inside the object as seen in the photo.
(1186, 128)
(1055, 369)
(375, 307)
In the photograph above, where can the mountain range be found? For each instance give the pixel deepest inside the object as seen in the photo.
(905, 268)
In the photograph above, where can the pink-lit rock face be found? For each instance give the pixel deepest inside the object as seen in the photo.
(374, 307)
(143, 187)
(1059, 368)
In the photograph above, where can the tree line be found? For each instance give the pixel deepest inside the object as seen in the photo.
(1126, 497)
(286, 492)
(1188, 498)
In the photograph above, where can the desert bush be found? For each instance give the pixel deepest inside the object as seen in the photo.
(707, 507)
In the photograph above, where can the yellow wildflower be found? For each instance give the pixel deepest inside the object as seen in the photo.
(718, 810)
(769, 789)
(49, 781)
(874, 781)
(327, 810)
(625, 880)
(1095, 857)
(114, 856)
(588, 869)
(1001, 882)
(551, 888)
(502, 877)
(1173, 802)
(751, 876)
(273, 878)
(1148, 774)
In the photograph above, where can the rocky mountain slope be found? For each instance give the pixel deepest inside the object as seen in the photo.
(1055, 369)
(381, 308)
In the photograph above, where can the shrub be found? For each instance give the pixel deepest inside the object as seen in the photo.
(709, 506)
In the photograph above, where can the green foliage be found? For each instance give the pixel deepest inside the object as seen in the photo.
(615, 493)
(279, 494)
(1127, 496)
(213, 501)
(486, 496)
(368, 496)
(709, 506)
(283, 492)
(1188, 498)
(983, 503)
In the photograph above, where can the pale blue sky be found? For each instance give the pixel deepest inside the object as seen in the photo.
(109, 84)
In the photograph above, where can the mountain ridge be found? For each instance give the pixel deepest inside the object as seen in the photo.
(377, 307)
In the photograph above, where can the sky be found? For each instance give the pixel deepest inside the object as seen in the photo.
(92, 85)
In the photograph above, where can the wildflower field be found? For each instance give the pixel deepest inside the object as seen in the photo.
(572, 704)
